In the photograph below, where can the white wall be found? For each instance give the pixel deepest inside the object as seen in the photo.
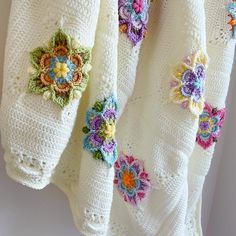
(26, 212)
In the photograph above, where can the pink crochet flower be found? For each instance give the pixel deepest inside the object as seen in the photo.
(131, 179)
(138, 6)
(210, 123)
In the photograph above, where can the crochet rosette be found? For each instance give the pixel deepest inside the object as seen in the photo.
(60, 69)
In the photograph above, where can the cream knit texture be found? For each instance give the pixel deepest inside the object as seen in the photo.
(34, 131)
(220, 48)
(157, 131)
(44, 143)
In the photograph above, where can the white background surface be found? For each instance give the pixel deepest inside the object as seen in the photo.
(26, 212)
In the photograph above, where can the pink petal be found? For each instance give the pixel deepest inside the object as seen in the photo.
(117, 165)
(208, 108)
(185, 104)
(173, 83)
(141, 195)
(144, 175)
(204, 144)
(129, 159)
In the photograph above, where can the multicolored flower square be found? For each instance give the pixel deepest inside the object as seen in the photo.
(100, 130)
(131, 180)
(210, 123)
(60, 69)
(187, 85)
(133, 18)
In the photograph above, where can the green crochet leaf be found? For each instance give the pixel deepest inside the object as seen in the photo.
(98, 106)
(86, 54)
(85, 130)
(34, 86)
(61, 101)
(61, 38)
(97, 155)
(36, 55)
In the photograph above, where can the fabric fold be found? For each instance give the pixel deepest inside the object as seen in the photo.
(94, 189)
(35, 127)
(220, 47)
(157, 131)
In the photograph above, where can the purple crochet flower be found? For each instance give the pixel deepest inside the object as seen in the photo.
(187, 85)
(133, 18)
(193, 82)
(100, 130)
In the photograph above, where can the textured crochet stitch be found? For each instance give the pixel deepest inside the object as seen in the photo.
(231, 8)
(210, 123)
(100, 130)
(187, 85)
(60, 69)
(133, 18)
(131, 180)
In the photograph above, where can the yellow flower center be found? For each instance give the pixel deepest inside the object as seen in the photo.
(61, 69)
(110, 130)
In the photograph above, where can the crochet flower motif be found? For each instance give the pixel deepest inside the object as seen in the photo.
(210, 123)
(100, 130)
(131, 179)
(187, 85)
(231, 8)
(60, 69)
(133, 18)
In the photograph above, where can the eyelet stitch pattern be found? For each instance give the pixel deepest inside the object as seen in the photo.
(210, 123)
(133, 18)
(60, 69)
(231, 8)
(100, 130)
(187, 85)
(131, 179)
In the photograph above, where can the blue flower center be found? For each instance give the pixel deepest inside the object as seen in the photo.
(61, 69)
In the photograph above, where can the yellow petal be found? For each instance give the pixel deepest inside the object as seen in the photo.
(179, 70)
(176, 96)
(63, 74)
(56, 70)
(59, 74)
(196, 107)
(200, 58)
(64, 66)
(58, 65)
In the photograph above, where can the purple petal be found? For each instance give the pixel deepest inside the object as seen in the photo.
(109, 146)
(96, 139)
(110, 114)
(124, 13)
(96, 122)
